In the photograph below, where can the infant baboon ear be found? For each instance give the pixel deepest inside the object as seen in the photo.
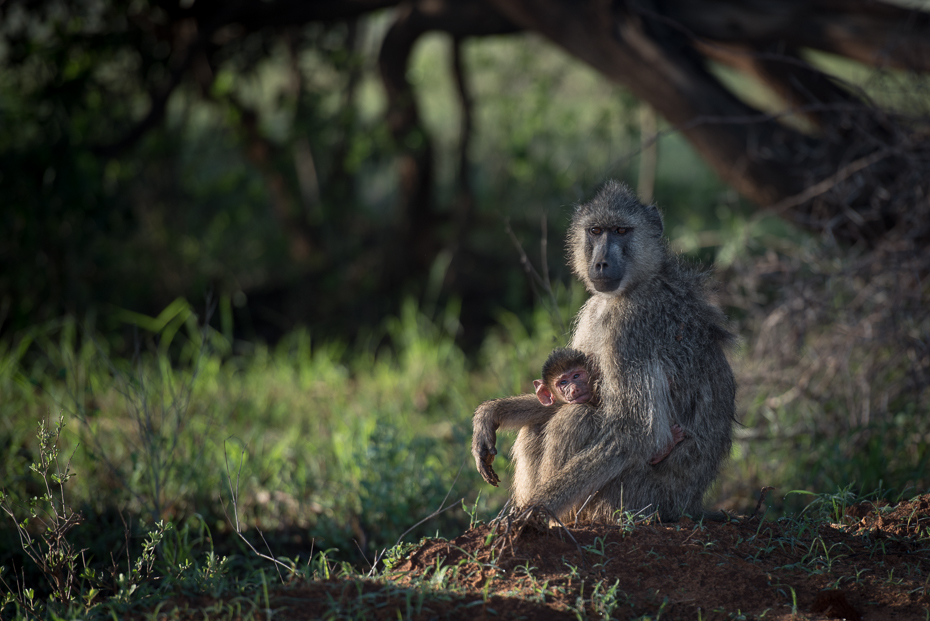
(543, 393)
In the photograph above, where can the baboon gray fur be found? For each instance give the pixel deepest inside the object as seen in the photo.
(660, 348)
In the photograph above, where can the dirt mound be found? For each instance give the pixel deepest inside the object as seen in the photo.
(906, 519)
(875, 567)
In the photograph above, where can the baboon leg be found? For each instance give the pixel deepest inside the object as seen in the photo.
(581, 474)
(542, 449)
(528, 454)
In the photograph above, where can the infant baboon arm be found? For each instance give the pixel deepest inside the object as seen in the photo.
(507, 413)
(678, 435)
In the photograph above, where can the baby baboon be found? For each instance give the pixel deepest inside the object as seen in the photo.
(659, 346)
(567, 377)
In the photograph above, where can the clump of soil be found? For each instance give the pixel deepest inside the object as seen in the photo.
(907, 519)
(875, 565)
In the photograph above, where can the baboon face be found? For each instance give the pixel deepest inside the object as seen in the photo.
(606, 249)
(615, 241)
(567, 377)
(571, 386)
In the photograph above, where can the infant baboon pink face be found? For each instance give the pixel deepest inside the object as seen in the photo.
(572, 386)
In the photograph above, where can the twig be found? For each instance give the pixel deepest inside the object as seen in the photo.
(503, 511)
(584, 560)
(271, 554)
(441, 505)
(765, 490)
(362, 552)
(535, 278)
(524, 518)
(645, 186)
(578, 512)
(442, 509)
(544, 251)
(234, 497)
(839, 176)
(429, 517)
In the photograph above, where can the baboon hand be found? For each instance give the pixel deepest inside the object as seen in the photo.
(678, 434)
(483, 449)
(483, 461)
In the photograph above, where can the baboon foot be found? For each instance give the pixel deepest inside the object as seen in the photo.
(535, 517)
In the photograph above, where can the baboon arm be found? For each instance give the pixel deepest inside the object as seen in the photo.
(508, 413)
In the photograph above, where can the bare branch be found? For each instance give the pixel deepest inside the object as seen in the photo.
(838, 177)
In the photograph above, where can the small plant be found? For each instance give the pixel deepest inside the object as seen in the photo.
(605, 599)
(831, 507)
(395, 555)
(473, 519)
(50, 515)
(44, 537)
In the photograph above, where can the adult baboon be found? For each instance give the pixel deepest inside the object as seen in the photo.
(659, 346)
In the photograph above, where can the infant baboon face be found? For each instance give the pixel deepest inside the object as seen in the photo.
(572, 386)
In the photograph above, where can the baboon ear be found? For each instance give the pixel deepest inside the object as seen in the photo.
(655, 218)
(542, 392)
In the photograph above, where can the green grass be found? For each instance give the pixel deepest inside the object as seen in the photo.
(319, 445)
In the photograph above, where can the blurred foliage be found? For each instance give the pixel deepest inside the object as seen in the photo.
(353, 429)
(273, 182)
(332, 444)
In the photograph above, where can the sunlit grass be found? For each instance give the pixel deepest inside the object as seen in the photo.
(350, 444)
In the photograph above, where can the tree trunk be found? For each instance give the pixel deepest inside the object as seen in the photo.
(854, 159)
(416, 241)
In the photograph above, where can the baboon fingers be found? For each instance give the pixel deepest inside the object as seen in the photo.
(487, 473)
(484, 456)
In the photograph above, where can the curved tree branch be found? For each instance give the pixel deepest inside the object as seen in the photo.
(801, 86)
(465, 199)
(874, 33)
(659, 58)
(659, 49)
(658, 66)
(416, 219)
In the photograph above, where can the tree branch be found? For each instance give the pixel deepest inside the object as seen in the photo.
(659, 66)
(465, 200)
(459, 18)
(874, 33)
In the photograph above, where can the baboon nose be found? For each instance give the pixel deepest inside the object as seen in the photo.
(600, 266)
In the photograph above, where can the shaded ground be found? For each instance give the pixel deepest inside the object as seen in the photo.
(875, 564)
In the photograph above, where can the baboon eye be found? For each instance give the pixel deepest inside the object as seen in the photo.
(596, 230)
(622, 230)
(576, 376)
